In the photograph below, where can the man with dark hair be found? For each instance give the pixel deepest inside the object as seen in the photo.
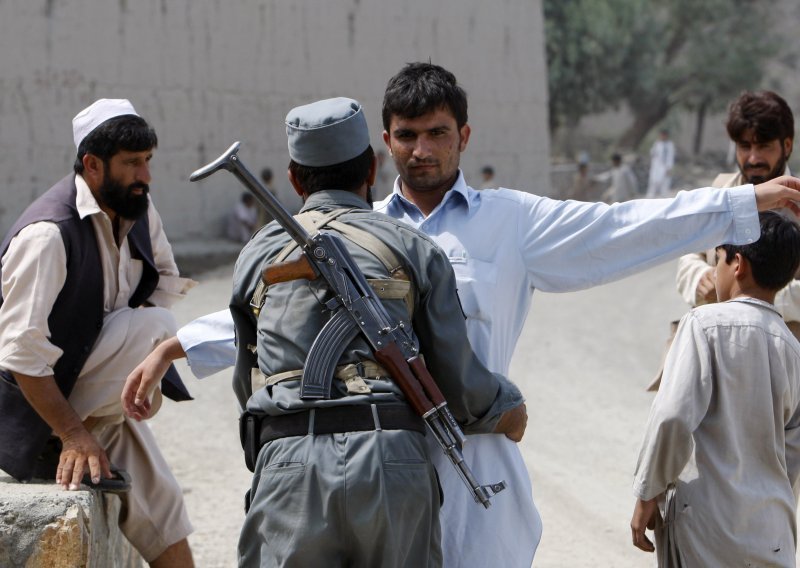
(761, 126)
(721, 450)
(87, 277)
(504, 244)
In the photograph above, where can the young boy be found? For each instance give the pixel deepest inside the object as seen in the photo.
(721, 452)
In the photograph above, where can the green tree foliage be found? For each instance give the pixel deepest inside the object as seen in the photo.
(654, 55)
(585, 45)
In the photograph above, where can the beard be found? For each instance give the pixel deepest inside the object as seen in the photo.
(122, 200)
(755, 179)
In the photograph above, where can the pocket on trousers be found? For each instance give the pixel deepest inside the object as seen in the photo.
(284, 468)
(402, 464)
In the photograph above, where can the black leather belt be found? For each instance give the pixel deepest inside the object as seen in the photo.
(340, 419)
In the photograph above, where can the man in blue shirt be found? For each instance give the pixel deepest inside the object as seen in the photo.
(503, 244)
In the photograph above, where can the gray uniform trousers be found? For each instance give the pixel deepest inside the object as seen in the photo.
(357, 499)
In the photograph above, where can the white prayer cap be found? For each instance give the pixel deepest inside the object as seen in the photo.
(96, 114)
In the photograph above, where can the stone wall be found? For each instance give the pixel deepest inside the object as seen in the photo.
(208, 72)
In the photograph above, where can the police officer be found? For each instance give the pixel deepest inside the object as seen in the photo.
(348, 481)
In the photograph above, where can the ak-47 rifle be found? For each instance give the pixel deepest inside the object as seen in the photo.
(355, 310)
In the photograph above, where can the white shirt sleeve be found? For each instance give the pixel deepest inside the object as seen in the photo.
(209, 343)
(680, 405)
(34, 272)
(570, 245)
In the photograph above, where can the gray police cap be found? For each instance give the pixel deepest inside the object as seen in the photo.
(327, 132)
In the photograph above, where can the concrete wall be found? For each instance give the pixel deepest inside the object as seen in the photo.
(207, 72)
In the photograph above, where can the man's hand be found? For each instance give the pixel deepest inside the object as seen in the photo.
(79, 449)
(79, 446)
(144, 379)
(783, 191)
(644, 516)
(706, 292)
(512, 423)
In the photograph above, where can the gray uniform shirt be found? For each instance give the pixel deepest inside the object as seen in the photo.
(293, 314)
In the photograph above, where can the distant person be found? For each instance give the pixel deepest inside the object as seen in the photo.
(487, 178)
(624, 185)
(243, 219)
(582, 184)
(662, 160)
(721, 451)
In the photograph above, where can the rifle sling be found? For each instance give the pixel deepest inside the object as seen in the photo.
(398, 286)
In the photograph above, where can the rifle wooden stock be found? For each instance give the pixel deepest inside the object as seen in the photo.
(393, 361)
(288, 271)
(424, 377)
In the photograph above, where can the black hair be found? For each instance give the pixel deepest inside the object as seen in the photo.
(126, 132)
(487, 170)
(765, 112)
(775, 257)
(420, 88)
(266, 175)
(349, 175)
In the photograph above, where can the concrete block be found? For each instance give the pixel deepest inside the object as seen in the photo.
(43, 526)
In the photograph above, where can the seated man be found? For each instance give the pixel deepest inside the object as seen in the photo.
(87, 275)
(242, 221)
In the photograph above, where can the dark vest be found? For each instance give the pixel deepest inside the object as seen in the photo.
(75, 320)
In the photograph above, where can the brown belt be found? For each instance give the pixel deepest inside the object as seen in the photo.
(340, 419)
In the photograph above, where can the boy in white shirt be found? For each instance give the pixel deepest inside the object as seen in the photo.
(720, 460)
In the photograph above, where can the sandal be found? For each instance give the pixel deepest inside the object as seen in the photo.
(120, 482)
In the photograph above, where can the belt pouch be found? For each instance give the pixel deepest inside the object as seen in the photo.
(249, 433)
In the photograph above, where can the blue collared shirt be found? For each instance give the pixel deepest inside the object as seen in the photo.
(503, 244)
